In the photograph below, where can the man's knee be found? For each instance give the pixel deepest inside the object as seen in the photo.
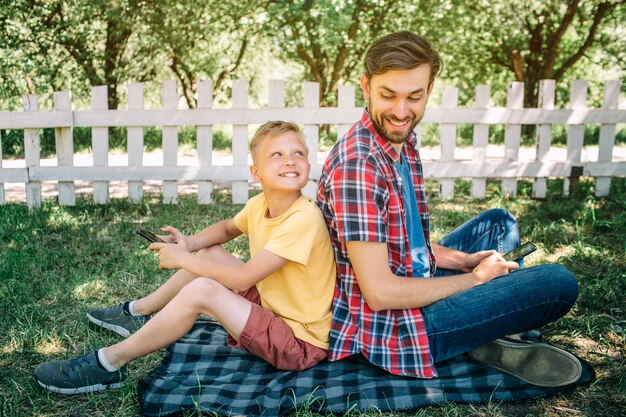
(501, 216)
(558, 283)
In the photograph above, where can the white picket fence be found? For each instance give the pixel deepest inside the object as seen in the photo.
(445, 169)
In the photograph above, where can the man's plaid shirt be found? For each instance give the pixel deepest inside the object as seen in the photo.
(360, 195)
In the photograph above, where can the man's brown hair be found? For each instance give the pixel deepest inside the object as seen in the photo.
(273, 129)
(401, 51)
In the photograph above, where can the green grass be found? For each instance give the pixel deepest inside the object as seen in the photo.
(58, 261)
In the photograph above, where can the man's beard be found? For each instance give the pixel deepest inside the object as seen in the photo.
(390, 136)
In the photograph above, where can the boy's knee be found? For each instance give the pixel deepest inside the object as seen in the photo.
(200, 290)
(210, 252)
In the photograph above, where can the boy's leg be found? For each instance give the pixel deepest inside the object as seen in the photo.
(201, 296)
(100, 370)
(156, 300)
(126, 318)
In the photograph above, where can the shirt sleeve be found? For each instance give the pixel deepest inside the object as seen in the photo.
(293, 239)
(360, 196)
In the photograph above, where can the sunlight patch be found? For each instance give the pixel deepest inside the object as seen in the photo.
(50, 346)
(88, 290)
(560, 252)
(10, 347)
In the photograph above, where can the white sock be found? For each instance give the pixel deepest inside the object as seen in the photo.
(105, 362)
(131, 309)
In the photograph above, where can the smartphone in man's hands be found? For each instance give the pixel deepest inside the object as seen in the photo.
(520, 252)
(148, 235)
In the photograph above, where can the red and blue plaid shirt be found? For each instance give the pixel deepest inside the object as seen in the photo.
(360, 194)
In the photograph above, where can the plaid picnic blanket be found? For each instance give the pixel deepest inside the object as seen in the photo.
(200, 372)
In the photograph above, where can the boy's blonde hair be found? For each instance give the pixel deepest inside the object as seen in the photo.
(273, 129)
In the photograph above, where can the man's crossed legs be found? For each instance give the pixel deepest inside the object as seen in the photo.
(523, 300)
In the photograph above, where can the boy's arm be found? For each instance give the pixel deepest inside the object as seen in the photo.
(236, 277)
(216, 234)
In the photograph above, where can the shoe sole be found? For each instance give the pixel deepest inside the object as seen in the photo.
(524, 361)
(117, 329)
(81, 390)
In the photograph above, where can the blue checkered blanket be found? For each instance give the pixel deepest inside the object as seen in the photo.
(200, 372)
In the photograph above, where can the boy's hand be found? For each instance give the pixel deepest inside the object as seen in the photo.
(170, 255)
(174, 235)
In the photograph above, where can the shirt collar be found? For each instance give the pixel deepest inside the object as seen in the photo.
(366, 121)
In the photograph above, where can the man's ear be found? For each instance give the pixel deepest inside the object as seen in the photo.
(365, 86)
(430, 87)
(255, 173)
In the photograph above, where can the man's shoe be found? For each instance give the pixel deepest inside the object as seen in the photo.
(78, 375)
(536, 363)
(116, 319)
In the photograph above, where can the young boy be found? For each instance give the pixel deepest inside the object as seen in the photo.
(276, 306)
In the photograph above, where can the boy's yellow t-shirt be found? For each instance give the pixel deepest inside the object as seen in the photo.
(300, 292)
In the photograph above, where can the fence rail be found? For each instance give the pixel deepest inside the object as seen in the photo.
(445, 169)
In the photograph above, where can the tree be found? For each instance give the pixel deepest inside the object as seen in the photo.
(330, 37)
(211, 39)
(78, 43)
(533, 40)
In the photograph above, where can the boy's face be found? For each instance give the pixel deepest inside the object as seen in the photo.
(397, 100)
(281, 163)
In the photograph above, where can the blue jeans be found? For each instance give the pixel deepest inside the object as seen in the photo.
(523, 300)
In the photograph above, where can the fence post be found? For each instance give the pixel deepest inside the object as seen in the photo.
(2, 200)
(204, 135)
(64, 148)
(311, 131)
(135, 141)
(450, 100)
(480, 140)
(32, 154)
(345, 99)
(512, 136)
(607, 135)
(100, 144)
(547, 90)
(240, 141)
(170, 141)
(575, 137)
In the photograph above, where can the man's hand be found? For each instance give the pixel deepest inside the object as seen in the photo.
(171, 256)
(474, 259)
(491, 267)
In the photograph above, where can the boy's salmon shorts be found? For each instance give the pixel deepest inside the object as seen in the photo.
(270, 338)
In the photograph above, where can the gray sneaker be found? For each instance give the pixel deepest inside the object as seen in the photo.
(78, 375)
(536, 363)
(116, 319)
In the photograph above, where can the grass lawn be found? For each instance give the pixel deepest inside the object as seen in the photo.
(58, 261)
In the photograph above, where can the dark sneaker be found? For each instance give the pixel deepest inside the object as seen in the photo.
(536, 363)
(78, 375)
(116, 319)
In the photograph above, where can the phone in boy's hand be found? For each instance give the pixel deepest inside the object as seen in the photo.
(519, 252)
(148, 235)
